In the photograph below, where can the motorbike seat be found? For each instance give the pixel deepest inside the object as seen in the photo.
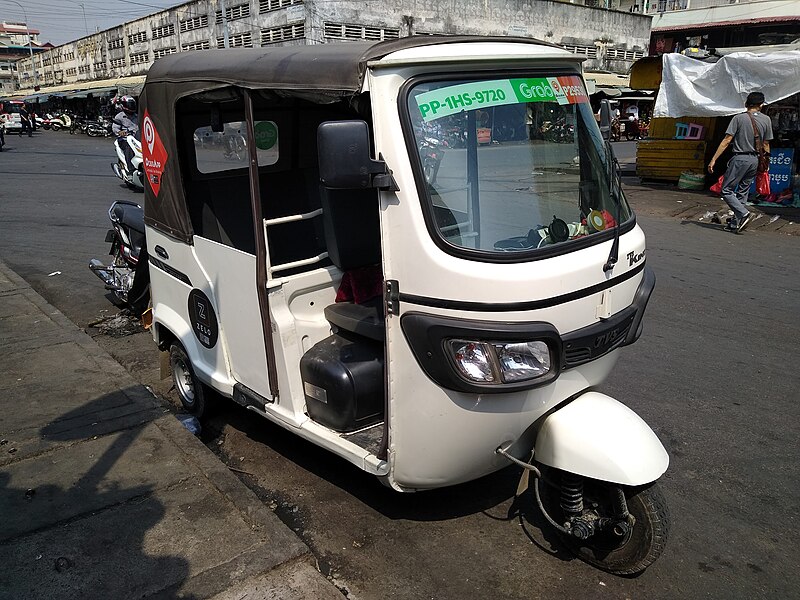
(365, 319)
(130, 215)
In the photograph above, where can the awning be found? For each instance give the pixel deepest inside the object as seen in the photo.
(126, 85)
(699, 89)
(607, 80)
(94, 92)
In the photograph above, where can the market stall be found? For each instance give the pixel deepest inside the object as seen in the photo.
(696, 100)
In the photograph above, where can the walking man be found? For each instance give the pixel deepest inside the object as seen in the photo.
(25, 119)
(742, 167)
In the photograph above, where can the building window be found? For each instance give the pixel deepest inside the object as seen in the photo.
(83, 69)
(620, 54)
(194, 23)
(239, 11)
(140, 57)
(72, 71)
(99, 67)
(587, 51)
(203, 45)
(163, 52)
(69, 56)
(118, 63)
(345, 31)
(270, 5)
(282, 34)
(163, 31)
(117, 43)
(241, 40)
(135, 38)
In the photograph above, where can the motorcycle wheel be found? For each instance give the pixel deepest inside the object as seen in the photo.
(139, 294)
(191, 391)
(56, 127)
(631, 553)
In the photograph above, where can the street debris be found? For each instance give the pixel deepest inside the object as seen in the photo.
(191, 423)
(774, 218)
(54, 273)
(12, 450)
(3, 442)
(119, 325)
(29, 493)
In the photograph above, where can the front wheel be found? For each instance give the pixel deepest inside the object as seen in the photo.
(625, 550)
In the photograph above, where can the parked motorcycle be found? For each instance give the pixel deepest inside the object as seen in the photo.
(431, 150)
(56, 122)
(132, 178)
(102, 127)
(127, 276)
(79, 124)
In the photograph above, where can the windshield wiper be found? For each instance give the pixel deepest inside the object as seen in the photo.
(615, 185)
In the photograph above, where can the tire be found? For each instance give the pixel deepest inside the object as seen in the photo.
(639, 548)
(56, 127)
(139, 294)
(191, 391)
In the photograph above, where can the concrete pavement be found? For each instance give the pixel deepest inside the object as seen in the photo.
(104, 494)
(664, 199)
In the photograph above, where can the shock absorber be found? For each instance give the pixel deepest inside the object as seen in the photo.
(571, 495)
(572, 506)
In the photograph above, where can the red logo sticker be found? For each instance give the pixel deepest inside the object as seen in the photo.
(154, 154)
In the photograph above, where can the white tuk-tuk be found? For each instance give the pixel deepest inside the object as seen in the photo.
(375, 247)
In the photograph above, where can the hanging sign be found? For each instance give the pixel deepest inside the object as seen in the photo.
(153, 153)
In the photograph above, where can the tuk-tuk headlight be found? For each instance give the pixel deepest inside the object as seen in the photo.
(473, 360)
(498, 363)
(520, 361)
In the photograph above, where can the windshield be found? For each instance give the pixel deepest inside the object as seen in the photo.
(513, 165)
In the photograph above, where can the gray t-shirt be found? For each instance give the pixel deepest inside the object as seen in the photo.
(741, 128)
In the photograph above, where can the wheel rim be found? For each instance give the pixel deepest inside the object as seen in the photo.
(182, 377)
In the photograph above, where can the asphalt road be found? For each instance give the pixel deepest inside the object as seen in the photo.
(715, 375)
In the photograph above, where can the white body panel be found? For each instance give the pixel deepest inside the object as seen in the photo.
(596, 436)
(171, 309)
(232, 275)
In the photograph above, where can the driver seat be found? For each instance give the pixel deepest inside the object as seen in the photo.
(353, 238)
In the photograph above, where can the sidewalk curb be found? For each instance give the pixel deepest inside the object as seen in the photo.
(256, 568)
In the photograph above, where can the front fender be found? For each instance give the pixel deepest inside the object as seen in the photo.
(599, 437)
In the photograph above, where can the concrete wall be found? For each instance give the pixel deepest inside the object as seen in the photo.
(611, 39)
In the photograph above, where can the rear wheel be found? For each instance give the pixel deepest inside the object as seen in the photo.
(623, 550)
(191, 391)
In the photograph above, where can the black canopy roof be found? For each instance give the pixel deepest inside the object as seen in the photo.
(330, 71)
(323, 66)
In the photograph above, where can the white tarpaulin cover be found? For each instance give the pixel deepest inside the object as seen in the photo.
(692, 88)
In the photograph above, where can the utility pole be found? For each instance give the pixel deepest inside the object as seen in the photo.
(225, 24)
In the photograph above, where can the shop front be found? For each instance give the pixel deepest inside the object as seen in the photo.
(695, 102)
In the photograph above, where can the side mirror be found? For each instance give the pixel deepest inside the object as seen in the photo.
(345, 161)
(605, 119)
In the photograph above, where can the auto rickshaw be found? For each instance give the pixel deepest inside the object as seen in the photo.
(428, 330)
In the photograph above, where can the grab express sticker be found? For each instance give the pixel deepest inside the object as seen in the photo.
(453, 99)
(153, 153)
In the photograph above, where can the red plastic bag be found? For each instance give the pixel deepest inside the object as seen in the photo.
(717, 187)
(762, 184)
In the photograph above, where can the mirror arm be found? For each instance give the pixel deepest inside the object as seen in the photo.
(384, 180)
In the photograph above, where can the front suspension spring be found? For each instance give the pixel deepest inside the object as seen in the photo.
(571, 495)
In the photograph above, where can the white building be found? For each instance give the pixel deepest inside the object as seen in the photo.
(611, 39)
